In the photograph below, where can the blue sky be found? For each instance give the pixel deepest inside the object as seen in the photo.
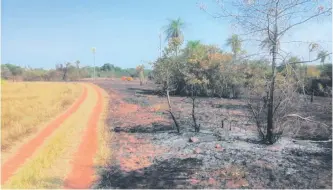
(42, 33)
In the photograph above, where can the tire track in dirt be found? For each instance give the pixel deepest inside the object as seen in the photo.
(27, 150)
(82, 173)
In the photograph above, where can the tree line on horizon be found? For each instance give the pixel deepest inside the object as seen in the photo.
(66, 72)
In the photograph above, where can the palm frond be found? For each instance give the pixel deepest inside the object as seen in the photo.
(174, 29)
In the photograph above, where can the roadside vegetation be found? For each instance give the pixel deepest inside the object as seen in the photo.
(51, 162)
(200, 70)
(27, 106)
(103, 157)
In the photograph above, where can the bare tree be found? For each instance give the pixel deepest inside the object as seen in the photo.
(271, 19)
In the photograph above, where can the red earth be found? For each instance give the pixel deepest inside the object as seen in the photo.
(81, 175)
(26, 150)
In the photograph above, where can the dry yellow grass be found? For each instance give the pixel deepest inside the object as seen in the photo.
(103, 156)
(26, 106)
(48, 167)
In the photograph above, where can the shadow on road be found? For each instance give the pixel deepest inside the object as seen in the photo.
(168, 174)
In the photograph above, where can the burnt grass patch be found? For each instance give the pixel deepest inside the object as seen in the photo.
(167, 174)
(143, 91)
(148, 153)
(153, 128)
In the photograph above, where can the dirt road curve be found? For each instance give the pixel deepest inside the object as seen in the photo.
(82, 172)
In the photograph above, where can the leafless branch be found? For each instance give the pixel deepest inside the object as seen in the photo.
(305, 118)
(303, 21)
(310, 60)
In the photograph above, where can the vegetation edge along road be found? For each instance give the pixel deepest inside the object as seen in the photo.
(27, 150)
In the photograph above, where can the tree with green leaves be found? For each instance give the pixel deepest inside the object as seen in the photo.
(192, 45)
(174, 34)
(175, 37)
(236, 45)
(326, 71)
(166, 76)
(5, 72)
(272, 20)
(15, 70)
(77, 64)
(107, 67)
(194, 74)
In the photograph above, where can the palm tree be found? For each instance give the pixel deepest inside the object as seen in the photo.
(192, 45)
(174, 29)
(174, 33)
(235, 43)
(194, 51)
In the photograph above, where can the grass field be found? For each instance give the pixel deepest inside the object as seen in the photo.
(52, 162)
(26, 106)
(49, 166)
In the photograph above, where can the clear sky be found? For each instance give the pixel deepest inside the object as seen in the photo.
(42, 33)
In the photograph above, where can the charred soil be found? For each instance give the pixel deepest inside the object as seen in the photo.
(148, 153)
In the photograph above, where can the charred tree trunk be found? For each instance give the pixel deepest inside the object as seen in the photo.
(270, 122)
(196, 126)
(169, 103)
(170, 111)
(65, 70)
(64, 77)
(270, 106)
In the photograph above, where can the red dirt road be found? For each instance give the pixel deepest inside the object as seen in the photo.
(13, 163)
(81, 175)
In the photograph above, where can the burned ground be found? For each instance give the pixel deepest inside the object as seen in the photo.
(148, 153)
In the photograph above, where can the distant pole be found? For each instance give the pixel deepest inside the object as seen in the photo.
(94, 52)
